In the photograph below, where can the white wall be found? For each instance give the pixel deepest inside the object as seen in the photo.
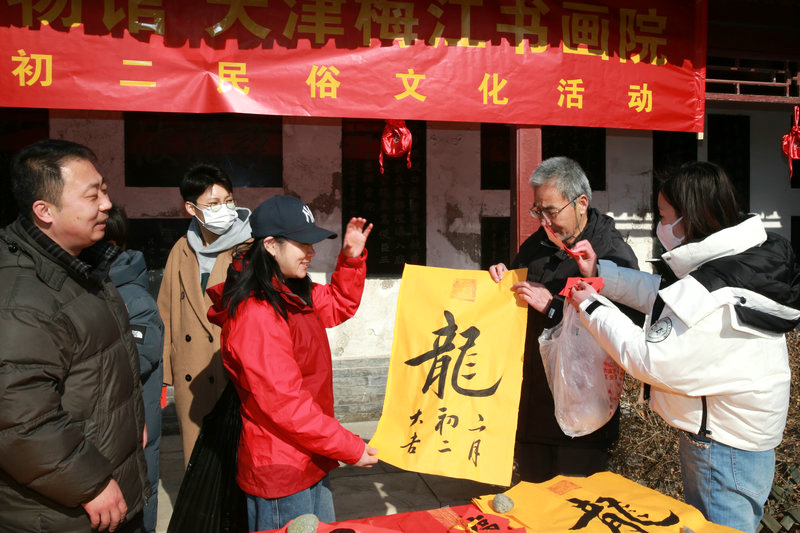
(455, 201)
(771, 195)
(312, 171)
(629, 189)
(104, 133)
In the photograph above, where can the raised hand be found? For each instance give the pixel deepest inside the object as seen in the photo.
(355, 236)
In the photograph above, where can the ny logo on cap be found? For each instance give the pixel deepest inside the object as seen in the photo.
(309, 215)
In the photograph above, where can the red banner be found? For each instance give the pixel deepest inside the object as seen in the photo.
(619, 64)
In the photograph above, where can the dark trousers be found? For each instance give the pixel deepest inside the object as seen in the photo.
(536, 463)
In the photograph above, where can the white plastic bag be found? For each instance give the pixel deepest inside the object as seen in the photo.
(586, 383)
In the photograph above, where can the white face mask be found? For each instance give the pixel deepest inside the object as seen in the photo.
(667, 236)
(218, 222)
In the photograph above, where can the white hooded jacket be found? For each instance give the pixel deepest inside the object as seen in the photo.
(720, 334)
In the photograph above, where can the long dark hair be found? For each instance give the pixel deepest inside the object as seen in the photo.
(251, 275)
(704, 196)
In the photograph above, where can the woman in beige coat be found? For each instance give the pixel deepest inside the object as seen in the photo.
(200, 259)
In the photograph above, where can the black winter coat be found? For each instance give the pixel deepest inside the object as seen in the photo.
(128, 273)
(551, 267)
(71, 415)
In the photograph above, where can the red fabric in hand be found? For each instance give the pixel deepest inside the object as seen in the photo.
(597, 283)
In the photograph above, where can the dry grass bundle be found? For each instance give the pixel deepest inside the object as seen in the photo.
(647, 449)
(787, 456)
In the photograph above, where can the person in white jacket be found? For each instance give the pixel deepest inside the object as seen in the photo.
(714, 359)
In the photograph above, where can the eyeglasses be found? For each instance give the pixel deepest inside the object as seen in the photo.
(550, 214)
(216, 206)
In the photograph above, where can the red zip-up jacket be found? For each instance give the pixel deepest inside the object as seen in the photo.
(282, 371)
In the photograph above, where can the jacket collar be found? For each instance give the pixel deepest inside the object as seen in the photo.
(596, 224)
(91, 266)
(290, 297)
(730, 241)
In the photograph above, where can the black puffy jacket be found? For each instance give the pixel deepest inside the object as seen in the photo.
(71, 414)
(551, 267)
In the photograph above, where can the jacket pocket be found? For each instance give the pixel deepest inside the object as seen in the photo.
(697, 440)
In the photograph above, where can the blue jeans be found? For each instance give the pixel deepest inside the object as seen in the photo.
(728, 485)
(274, 513)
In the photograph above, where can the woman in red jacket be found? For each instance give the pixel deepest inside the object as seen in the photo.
(275, 349)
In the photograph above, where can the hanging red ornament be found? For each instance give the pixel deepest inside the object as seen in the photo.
(395, 141)
(791, 141)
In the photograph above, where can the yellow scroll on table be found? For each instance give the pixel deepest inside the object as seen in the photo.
(602, 503)
(455, 373)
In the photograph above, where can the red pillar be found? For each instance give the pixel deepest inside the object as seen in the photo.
(528, 155)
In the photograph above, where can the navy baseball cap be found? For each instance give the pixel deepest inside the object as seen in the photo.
(287, 216)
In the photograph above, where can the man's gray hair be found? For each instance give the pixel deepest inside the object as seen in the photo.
(566, 176)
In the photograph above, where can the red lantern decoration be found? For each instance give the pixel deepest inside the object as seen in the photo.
(395, 141)
(791, 141)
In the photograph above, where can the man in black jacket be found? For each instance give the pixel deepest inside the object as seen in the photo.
(561, 201)
(71, 414)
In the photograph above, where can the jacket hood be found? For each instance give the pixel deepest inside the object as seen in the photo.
(754, 270)
(765, 280)
(129, 268)
(238, 233)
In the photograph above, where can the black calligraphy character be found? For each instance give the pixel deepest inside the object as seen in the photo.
(590, 510)
(412, 446)
(481, 523)
(444, 418)
(613, 503)
(470, 334)
(416, 417)
(479, 428)
(474, 451)
(613, 521)
(441, 361)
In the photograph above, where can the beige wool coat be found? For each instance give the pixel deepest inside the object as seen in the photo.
(192, 359)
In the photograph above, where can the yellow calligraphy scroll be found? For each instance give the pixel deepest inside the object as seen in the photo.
(601, 503)
(455, 373)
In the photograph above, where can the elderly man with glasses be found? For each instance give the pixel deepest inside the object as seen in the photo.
(561, 204)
